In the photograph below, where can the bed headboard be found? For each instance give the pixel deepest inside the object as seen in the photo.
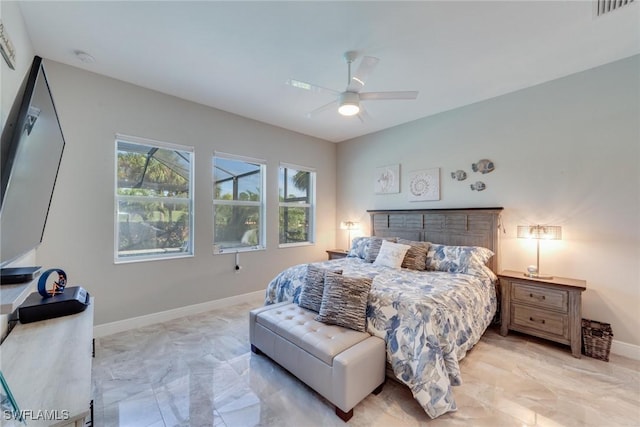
(465, 227)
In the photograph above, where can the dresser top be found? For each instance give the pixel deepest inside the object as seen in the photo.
(564, 281)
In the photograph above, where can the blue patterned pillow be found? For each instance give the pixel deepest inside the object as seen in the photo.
(482, 272)
(359, 247)
(456, 259)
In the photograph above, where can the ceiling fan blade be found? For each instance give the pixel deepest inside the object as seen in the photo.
(366, 67)
(310, 87)
(374, 96)
(363, 115)
(319, 110)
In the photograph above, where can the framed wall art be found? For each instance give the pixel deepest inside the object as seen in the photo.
(387, 179)
(424, 185)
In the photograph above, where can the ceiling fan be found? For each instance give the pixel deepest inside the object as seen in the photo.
(348, 102)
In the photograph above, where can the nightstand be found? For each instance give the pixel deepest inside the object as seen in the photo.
(337, 253)
(545, 308)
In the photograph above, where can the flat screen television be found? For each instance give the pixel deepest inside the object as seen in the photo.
(31, 150)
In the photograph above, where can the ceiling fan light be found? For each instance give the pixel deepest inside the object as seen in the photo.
(348, 109)
(349, 104)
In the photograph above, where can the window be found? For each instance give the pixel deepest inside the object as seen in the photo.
(154, 200)
(238, 207)
(297, 204)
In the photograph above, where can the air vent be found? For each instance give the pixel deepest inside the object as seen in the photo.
(603, 7)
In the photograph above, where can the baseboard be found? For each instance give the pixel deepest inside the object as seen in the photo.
(625, 349)
(163, 316)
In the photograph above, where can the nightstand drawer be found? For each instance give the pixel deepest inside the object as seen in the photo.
(538, 296)
(544, 321)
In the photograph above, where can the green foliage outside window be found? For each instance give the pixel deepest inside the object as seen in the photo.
(153, 201)
(296, 205)
(238, 209)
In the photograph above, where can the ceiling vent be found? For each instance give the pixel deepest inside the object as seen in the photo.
(602, 7)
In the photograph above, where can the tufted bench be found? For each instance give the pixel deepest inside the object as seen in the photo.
(342, 365)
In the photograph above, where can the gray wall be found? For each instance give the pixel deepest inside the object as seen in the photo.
(80, 231)
(566, 152)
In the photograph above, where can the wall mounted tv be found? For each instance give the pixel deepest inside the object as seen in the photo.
(32, 145)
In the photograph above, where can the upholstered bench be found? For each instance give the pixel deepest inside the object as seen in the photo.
(341, 364)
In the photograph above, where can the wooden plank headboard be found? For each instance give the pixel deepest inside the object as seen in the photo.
(465, 227)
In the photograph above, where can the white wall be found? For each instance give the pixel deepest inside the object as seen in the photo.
(566, 152)
(79, 237)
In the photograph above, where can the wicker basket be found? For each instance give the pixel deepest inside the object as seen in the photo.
(596, 339)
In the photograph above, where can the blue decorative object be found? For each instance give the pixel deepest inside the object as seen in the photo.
(58, 287)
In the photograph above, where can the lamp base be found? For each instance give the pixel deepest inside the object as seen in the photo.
(538, 276)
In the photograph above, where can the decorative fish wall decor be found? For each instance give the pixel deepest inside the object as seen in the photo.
(478, 186)
(459, 175)
(483, 166)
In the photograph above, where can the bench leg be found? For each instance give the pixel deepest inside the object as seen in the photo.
(378, 389)
(255, 349)
(344, 416)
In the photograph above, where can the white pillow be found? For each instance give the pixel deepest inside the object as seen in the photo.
(391, 254)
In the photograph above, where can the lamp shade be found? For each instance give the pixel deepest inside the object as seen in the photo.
(540, 232)
(348, 225)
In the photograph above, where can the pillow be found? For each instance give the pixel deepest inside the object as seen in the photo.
(416, 257)
(374, 247)
(456, 259)
(313, 288)
(344, 301)
(391, 254)
(482, 271)
(359, 247)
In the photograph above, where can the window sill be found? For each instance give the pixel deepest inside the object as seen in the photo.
(295, 245)
(227, 251)
(151, 258)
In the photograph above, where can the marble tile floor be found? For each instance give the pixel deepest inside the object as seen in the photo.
(199, 371)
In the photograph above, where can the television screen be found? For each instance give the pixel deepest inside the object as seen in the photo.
(32, 146)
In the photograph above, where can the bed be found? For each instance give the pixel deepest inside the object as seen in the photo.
(428, 319)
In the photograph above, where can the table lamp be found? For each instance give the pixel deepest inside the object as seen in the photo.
(539, 232)
(350, 226)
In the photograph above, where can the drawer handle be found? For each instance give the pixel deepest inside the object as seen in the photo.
(540, 297)
(531, 319)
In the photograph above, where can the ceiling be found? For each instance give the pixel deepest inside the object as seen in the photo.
(237, 56)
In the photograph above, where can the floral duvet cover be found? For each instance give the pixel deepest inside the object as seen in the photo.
(429, 320)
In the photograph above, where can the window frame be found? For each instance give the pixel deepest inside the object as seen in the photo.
(189, 201)
(311, 204)
(261, 204)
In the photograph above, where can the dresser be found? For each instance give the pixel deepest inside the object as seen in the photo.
(545, 308)
(47, 365)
